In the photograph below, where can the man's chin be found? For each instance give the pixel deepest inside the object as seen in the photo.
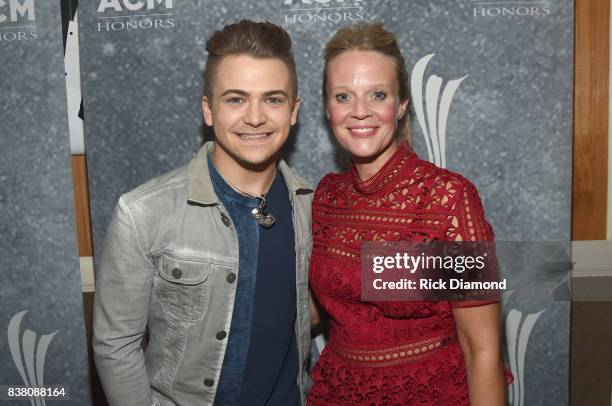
(257, 162)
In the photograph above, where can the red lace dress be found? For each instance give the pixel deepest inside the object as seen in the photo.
(389, 353)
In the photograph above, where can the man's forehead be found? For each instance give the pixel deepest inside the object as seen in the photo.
(252, 75)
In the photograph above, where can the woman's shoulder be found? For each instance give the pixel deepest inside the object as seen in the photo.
(442, 184)
(425, 171)
(331, 183)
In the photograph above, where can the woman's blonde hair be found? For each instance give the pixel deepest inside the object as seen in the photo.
(371, 37)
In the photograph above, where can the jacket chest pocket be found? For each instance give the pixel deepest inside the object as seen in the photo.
(182, 287)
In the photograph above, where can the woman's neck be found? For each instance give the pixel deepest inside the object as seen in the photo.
(368, 167)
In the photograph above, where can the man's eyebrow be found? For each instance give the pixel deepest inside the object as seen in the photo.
(265, 94)
(273, 92)
(234, 91)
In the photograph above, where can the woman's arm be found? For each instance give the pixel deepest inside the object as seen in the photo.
(314, 311)
(478, 330)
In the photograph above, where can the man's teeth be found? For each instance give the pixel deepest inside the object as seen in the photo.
(254, 136)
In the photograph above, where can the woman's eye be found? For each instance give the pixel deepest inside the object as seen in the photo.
(342, 97)
(379, 95)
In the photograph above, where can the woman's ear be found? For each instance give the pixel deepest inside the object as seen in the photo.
(402, 109)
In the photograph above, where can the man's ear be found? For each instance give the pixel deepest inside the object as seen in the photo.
(296, 109)
(207, 111)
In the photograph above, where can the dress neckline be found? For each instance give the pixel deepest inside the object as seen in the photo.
(387, 173)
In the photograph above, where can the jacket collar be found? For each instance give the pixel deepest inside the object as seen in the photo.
(200, 189)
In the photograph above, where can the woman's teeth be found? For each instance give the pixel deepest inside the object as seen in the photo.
(364, 130)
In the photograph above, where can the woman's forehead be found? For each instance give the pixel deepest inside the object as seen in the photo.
(361, 68)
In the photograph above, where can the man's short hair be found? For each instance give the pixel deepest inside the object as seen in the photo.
(258, 40)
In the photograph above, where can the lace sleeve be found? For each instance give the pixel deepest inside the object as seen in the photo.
(468, 223)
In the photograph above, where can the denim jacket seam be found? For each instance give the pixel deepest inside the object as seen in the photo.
(158, 189)
(180, 358)
(211, 261)
(137, 227)
(140, 193)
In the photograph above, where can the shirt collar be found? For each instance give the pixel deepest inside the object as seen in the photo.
(199, 185)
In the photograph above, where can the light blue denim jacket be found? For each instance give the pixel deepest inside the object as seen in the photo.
(169, 267)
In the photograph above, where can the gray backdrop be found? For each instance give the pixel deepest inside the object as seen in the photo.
(509, 127)
(40, 268)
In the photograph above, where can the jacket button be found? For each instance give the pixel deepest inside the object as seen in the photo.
(209, 382)
(177, 273)
(221, 335)
(225, 220)
(231, 277)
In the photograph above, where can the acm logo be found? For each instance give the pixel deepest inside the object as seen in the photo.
(29, 352)
(18, 10)
(152, 14)
(291, 2)
(432, 104)
(17, 18)
(131, 5)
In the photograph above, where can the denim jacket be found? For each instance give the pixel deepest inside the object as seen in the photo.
(169, 268)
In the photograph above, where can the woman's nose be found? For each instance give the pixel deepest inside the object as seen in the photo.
(361, 109)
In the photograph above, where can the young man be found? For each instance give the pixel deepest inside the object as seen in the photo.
(212, 259)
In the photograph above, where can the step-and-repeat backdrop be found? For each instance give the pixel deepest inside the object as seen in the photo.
(497, 74)
(42, 337)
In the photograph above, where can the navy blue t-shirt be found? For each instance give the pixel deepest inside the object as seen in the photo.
(261, 360)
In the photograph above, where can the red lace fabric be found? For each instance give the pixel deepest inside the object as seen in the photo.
(408, 199)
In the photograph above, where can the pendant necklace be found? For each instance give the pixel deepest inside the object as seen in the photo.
(261, 216)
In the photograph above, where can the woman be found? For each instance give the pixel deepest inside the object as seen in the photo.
(450, 351)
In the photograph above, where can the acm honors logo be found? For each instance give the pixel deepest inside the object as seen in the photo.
(17, 20)
(511, 9)
(129, 15)
(322, 11)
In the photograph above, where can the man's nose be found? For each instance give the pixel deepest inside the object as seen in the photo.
(255, 115)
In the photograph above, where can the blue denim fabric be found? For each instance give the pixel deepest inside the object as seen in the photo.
(260, 364)
(272, 365)
(239, 208)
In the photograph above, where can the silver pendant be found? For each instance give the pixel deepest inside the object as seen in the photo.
(263, 218)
